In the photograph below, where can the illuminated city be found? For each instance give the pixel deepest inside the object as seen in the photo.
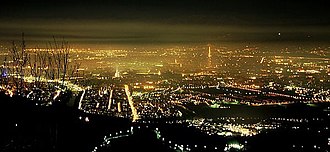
(164, 76)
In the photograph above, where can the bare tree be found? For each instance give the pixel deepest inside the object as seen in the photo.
(61, 56)
(4, 72)
(74, 70)
(39, 65)
(20, 59)
(66, 52)
(52, 63)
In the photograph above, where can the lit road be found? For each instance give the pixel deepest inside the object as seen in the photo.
(110, 100)
(57, 94)
(81, 98)
(130, 101)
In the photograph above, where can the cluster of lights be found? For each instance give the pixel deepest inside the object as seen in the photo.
(230, 129)
(103, 101)
(180, 147)
(234, 146)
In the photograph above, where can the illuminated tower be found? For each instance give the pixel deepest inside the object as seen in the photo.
(209, 59)
(209, 55)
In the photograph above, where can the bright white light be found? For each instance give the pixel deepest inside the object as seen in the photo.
(86, 119)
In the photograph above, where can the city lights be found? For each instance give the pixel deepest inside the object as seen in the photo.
(176, 76)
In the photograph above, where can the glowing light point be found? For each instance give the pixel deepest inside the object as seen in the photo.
(86, 119)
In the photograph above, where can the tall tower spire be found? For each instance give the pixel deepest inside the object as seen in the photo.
(209, 59)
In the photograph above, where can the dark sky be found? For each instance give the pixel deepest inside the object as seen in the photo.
(161, 22)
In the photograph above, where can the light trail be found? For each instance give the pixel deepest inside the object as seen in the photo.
(57, 94)
(110, 100)
(29, 94)
(130, 101)
(81, 98)
(262, 60)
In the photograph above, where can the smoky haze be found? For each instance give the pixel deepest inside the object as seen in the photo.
(162, 22)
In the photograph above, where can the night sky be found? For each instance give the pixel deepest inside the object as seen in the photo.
(135, 22)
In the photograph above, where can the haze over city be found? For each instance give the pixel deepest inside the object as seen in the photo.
(188, 75)
(131, 22)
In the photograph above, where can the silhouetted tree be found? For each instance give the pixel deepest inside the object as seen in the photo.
(20, 59)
